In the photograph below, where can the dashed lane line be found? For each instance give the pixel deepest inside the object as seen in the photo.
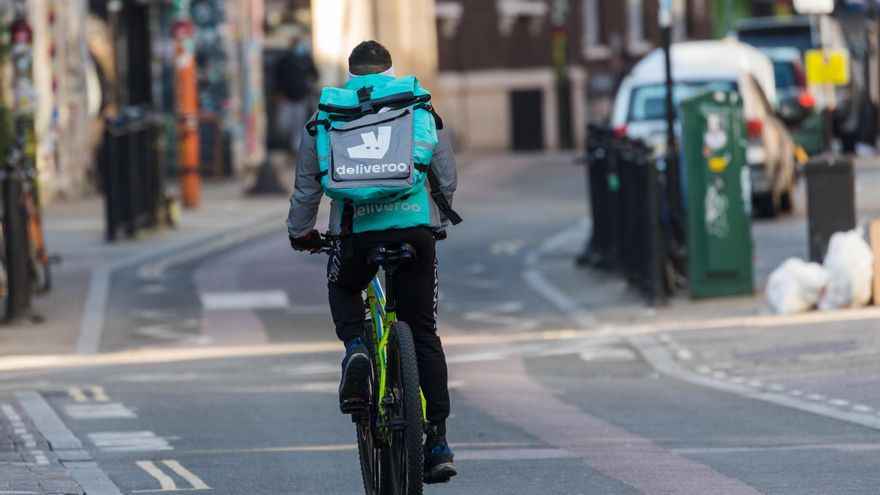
(656, 354)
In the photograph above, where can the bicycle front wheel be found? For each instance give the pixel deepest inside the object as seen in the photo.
(403, 458)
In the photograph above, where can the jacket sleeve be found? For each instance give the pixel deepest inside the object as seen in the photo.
(443, 164)
(307, 189)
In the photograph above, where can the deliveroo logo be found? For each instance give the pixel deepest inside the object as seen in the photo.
(375, 145)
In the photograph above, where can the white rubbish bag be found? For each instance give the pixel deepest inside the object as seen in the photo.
(796, 286)
(850, 263)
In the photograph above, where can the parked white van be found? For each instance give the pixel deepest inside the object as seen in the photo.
(699, 66)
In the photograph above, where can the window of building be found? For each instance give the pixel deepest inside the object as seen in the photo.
(636, 39)
(595, 39)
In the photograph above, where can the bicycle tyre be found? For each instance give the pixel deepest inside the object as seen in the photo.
(403, 457)
(369, 452)
(369, 455)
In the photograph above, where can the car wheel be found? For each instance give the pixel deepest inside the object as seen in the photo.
(786, 201)
(848, 142)
(766, 205)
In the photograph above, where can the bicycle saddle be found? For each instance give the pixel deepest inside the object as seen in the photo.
(391, 254)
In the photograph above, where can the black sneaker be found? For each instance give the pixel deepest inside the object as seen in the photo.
(354, 389)
(438, 460)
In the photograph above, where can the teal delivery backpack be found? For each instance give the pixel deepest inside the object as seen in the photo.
(375, 142)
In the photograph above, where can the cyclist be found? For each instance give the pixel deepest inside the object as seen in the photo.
(349, 274)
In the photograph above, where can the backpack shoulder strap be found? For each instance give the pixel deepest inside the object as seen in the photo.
(440, 199)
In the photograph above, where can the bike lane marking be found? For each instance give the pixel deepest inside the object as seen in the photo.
(499, 389)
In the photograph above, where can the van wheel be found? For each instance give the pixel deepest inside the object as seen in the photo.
(786, 200)
(766, 205)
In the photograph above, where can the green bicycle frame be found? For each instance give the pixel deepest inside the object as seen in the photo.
(382, 321)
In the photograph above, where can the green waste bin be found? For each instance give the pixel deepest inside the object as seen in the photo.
(718, 195)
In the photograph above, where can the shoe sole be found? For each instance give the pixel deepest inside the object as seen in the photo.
(440, 473)
(357, 377)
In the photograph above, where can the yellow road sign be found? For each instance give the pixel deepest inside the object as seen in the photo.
(827, 67)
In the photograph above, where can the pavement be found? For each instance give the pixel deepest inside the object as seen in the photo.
(207, 361)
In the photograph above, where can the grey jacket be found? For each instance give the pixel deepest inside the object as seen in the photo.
(307, 190)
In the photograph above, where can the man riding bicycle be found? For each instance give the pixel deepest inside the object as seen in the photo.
(418, 219)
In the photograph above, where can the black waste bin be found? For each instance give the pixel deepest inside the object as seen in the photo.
(831, 200)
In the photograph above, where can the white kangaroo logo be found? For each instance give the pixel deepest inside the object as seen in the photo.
(374, 146)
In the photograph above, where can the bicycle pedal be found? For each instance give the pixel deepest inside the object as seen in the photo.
(354, 406)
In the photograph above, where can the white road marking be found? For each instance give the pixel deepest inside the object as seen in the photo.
(110, 410)
(658, 356)
(307, 369)
(506, 247)
(163, 332)
(153, 289)
(129, 441)
(264, 299)
(166, 483)
(77, 394)
(155, 270)
(91, 326)
(100, 394)
(192, 479)
(500, 315)
(607, 354)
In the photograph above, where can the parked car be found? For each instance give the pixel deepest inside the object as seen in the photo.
(805, 33)
(791, 88)
(727, 65)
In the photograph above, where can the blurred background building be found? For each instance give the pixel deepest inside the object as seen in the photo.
(506, 74)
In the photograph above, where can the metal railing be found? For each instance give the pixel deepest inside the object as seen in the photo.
(132, 175)
(626, 199)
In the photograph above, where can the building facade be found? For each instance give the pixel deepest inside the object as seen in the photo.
(500, 64)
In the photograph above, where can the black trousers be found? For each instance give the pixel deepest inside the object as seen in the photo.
(415, 287)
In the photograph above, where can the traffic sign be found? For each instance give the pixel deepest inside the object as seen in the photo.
(827, 67)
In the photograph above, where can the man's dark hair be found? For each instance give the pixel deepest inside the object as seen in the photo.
(369, 57)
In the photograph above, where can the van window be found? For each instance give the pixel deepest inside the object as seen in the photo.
(648, 102)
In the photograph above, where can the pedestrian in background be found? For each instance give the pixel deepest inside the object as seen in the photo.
(295, 78)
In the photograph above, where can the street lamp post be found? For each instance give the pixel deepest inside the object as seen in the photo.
(672, 171)
(559, 20)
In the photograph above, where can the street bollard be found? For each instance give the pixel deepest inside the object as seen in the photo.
(831, 200)
(16, 246)
(596, 251)
(625, 204)
(132, 175)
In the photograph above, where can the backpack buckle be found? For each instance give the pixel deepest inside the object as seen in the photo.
(364, 99)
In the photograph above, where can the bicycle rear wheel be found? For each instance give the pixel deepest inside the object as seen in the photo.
(403, 458)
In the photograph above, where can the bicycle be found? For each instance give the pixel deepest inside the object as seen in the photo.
(390, 424)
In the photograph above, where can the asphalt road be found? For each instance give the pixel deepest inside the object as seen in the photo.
(225, 371)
